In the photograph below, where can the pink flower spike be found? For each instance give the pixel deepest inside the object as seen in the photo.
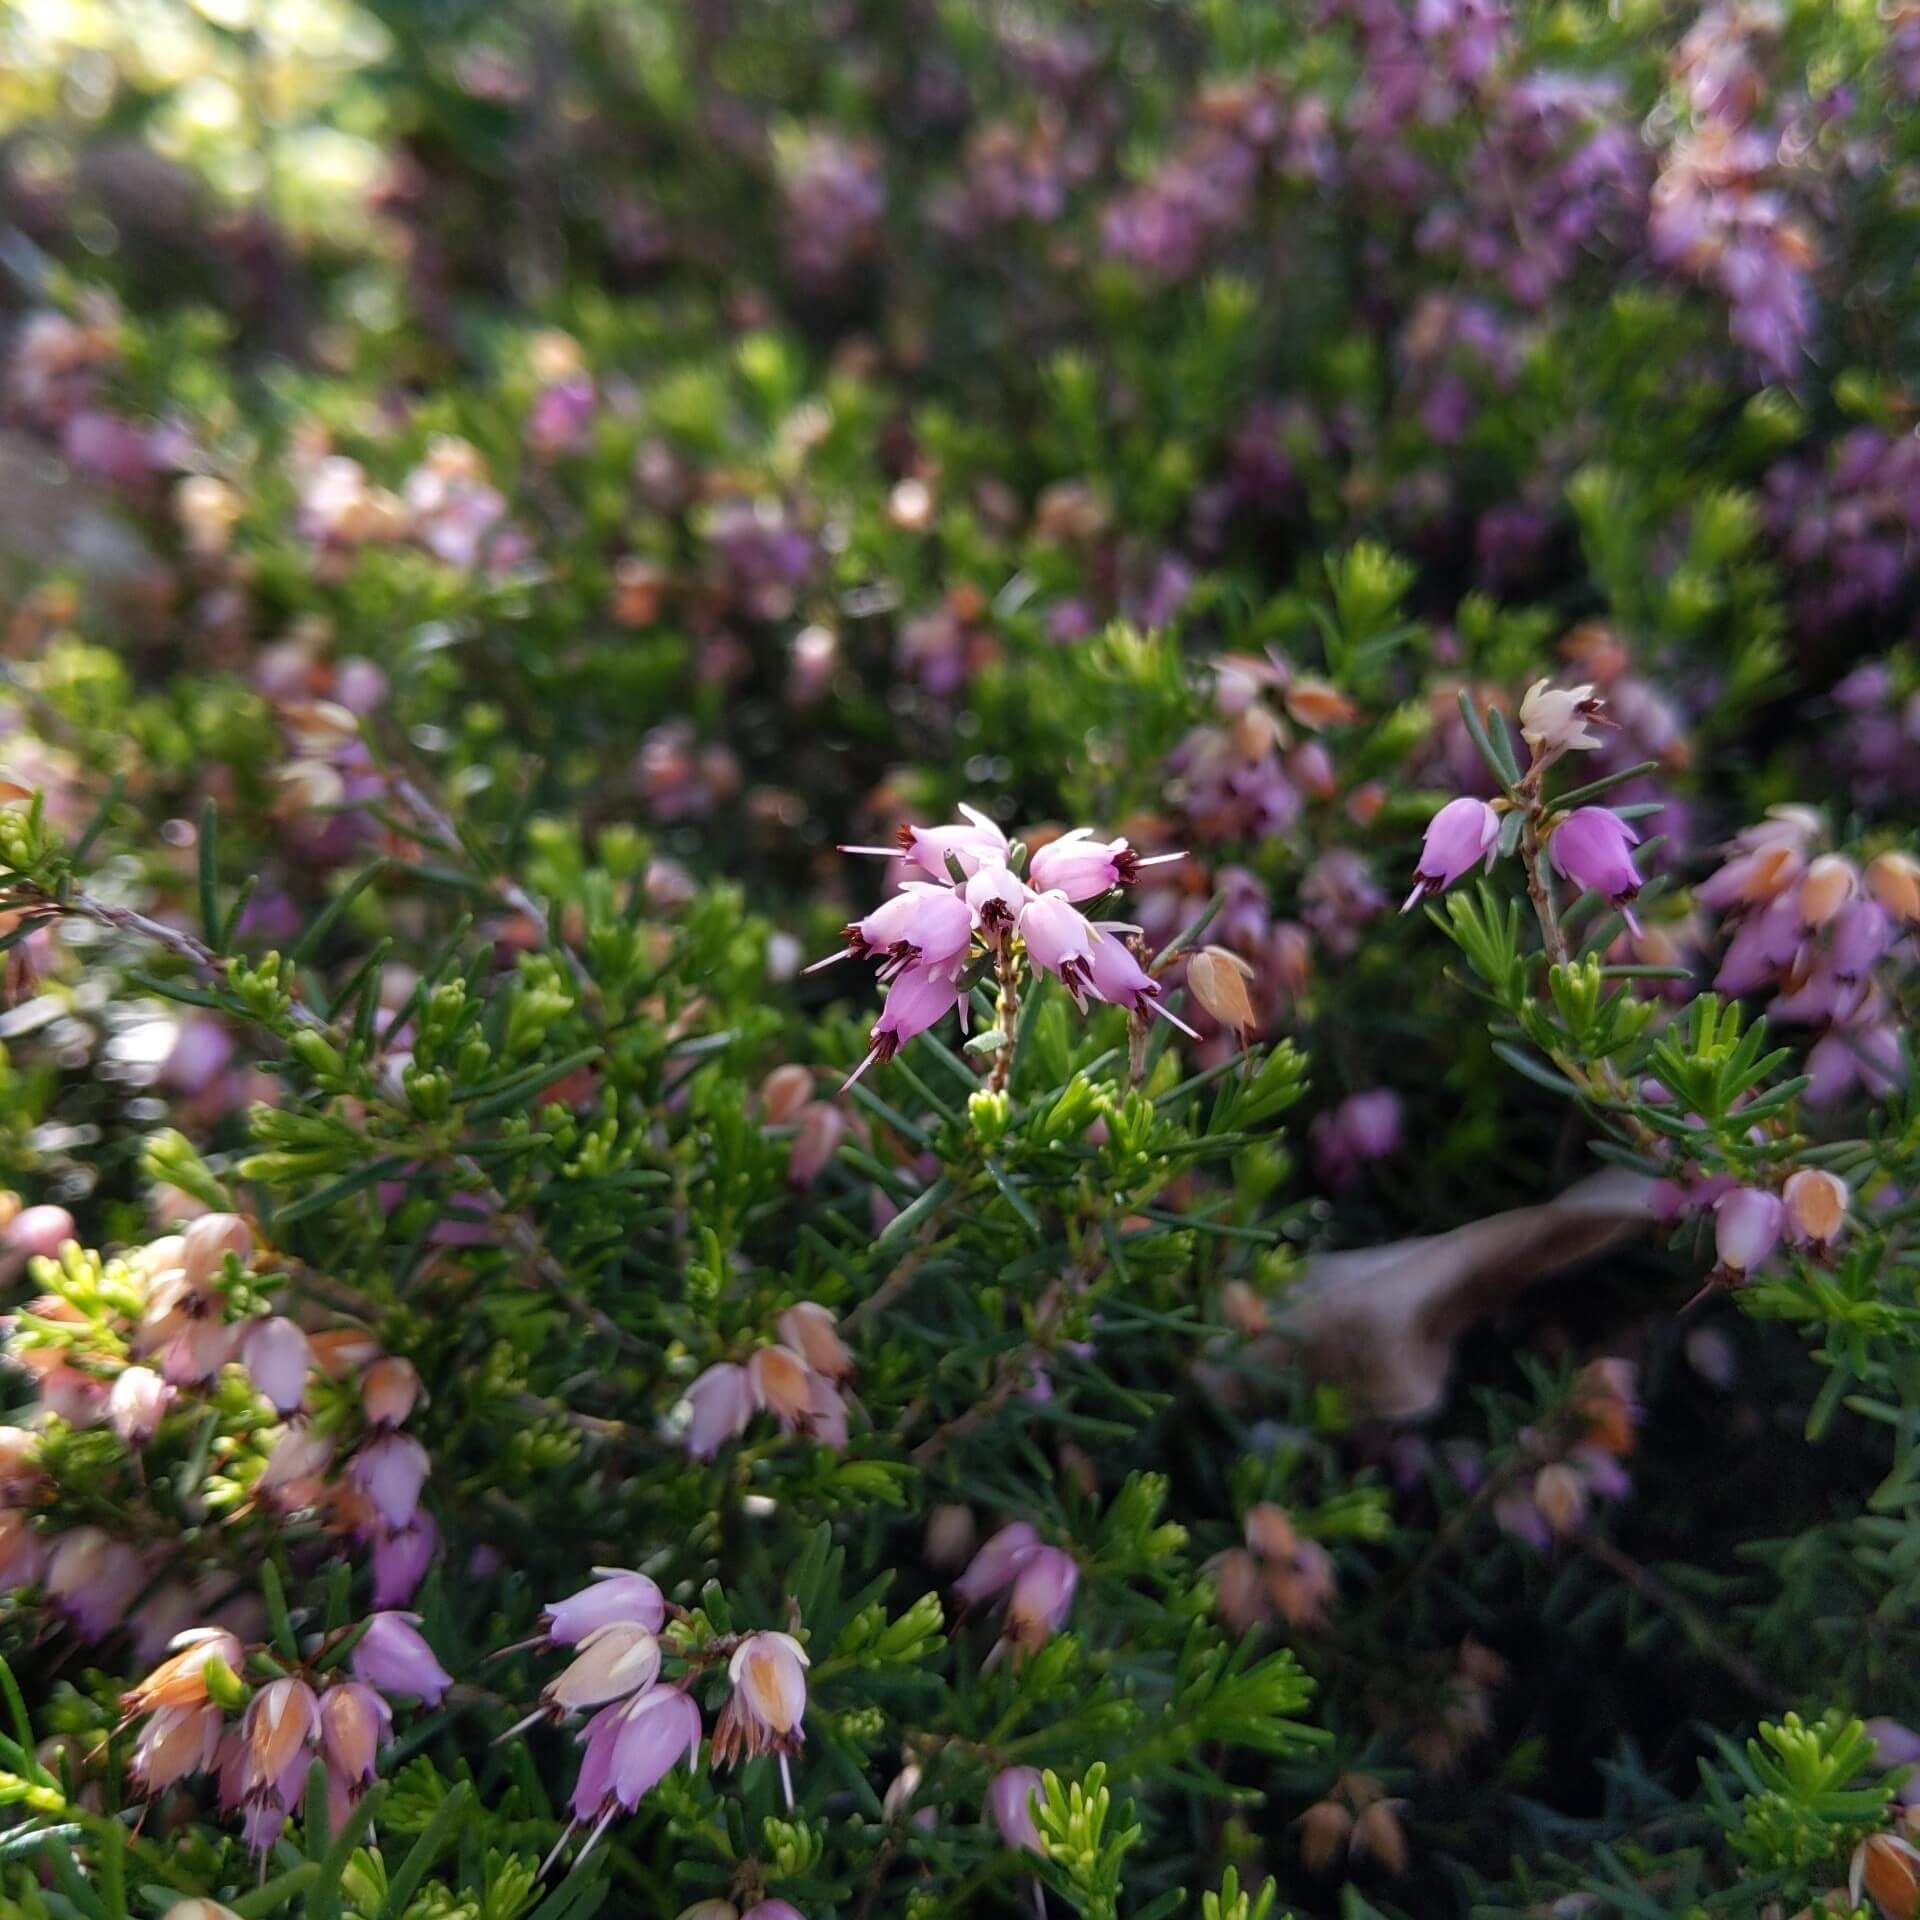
(1458, 835)
(1592, 847)
(916, 1000)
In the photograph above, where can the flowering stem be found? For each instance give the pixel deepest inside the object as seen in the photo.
(1006, 972)
(1539, 881)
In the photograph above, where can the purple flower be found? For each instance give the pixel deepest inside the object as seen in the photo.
(1747, 1225)
(390, 1471)
(1457, 836)
(616, 1595)
(722, 1403)
(1042, 1596)
(1081, 867)
(1592, 847)
(1118, 978)
(991, 1570)
(974, 843)
(1010, 1802)
(1060, 940)
(392, 1656)
(275, 1354)
(630, 1748)
(917, 1000)
(401, 1556)
(923, 924)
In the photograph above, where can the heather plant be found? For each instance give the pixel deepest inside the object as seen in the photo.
(958, 961)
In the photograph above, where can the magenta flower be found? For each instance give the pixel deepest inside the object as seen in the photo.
(275, 1354)
(1082, 867)
(991, 1570)
(1042, 1596)
(1747, 1225)
(977, 843)
(659, 1728)
(1592, 847)
(1458, 835)
(401, 1557)
(1010, 1804)
(722, 1404)
(922, 924)
(917, 1000)
(616, 1595)
(1118, 978)
(392, 1656)
(996, 899)
(1060, 940)
(390, 1471)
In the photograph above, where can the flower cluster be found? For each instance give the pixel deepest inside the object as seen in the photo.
(145, 1347)
(1826, 935)
(1037, 1579)
(1589, 846)
(1559, 1472)
(986, 900)
(640, 1726)
(198, 1715)
(797, 1378)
